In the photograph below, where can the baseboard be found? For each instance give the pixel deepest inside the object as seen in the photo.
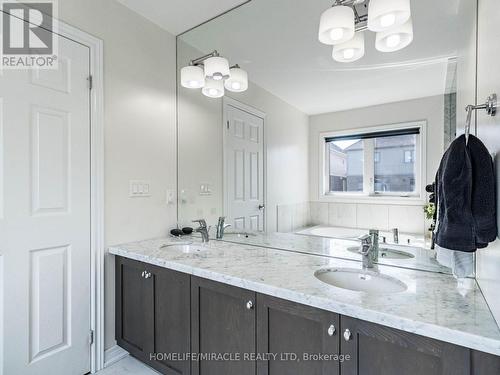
(113, 355)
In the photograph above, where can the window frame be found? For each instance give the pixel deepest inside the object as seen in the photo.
(368, 195)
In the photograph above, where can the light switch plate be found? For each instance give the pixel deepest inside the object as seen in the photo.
(170, 196)
(139, 188)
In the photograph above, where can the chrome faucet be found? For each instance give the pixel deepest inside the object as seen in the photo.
(374, 234)
(395, 234)
(202, 229)
(221, 227)
(366, 250)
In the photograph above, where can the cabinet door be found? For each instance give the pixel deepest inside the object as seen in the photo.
(298, 335)
(171, 320)
(378, 350)
(484, 364)
(134, 308)
(222, 323)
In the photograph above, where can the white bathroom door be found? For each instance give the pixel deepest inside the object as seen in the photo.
(244, 169)
(45, 216)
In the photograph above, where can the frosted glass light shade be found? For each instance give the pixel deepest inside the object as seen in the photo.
(385, 15)
(192, 77)
(395, 39)
(217, 68)
(336, 25)
(213, 88)
(238, 82)
(351, 50)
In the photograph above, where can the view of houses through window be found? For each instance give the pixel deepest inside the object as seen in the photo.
(384, 163)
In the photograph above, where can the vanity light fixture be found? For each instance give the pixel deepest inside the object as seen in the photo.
(386, 14)
(395, 39)
(217, 68)
(336, 25)
(213, 88)
(343, 25)
(351, 50)
(212, 73)
(192, 77)
(238, 82)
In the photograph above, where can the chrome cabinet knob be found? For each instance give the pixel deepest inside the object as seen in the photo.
(331, 330)
(147, 275)
(143, 274)
(249, 305)
(347, 334)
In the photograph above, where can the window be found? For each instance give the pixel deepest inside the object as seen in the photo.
(384, 162)
(409, 156)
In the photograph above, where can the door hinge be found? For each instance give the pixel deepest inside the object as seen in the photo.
(91, 337)
(90, 79)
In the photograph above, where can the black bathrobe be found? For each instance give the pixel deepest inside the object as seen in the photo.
(466, 202)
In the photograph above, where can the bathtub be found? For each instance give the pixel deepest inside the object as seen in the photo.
(405, 239)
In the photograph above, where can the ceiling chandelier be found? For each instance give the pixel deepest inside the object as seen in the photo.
(343, 26)
(212, 74)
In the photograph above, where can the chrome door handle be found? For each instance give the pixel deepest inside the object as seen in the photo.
(249, 305)
(331, 330)
(261, 206)
(347, 335)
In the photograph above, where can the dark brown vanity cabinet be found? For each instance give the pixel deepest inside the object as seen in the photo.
(229, 331)
(222, 324)
(152, 315)
(302, 339)
(378, 350)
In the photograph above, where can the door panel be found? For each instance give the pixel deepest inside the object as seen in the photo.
(171, 319)
(285, 327)
(222, 323)
(45, 221)
(378, 350)
(244, 169)
(134, 305)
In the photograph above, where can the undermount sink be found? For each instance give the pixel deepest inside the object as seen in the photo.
(183, 247)
(386, 253)
(360, 280)
(241, 234)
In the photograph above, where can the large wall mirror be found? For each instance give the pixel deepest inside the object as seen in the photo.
(305, 146)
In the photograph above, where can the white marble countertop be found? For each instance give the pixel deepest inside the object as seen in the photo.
(423, 259)
(432, 305)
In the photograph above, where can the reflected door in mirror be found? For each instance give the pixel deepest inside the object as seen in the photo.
(244, 169)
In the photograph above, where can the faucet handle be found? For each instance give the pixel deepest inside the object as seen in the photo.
(366, 244)
(202, 222)
(365, 239)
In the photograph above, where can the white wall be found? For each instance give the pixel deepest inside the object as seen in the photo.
(488, 81)
(430, 109)
(139, 105)
(200, 149)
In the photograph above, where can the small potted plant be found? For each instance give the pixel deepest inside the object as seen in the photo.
(429, 211)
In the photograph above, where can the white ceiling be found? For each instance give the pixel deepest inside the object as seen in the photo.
(276, 42)
(177, 16)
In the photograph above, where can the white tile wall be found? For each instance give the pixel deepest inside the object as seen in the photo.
(285, 218)
(301, 215)
(319, 213)
(408, 219)
(342, 215)
(372, 216)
